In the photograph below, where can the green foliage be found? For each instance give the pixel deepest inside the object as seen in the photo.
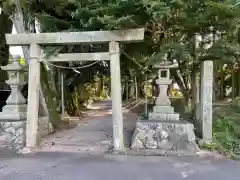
(226, 131)
(5, 27)
(171, 27)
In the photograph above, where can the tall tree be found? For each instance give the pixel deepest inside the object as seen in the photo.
(5, 27)
(172, 27)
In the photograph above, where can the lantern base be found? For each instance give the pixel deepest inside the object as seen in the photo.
(170, 136)
(163, 113)
(14, 113)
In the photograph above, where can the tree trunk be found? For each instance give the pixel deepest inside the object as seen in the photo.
(233, 82)
(215, 71)
(183, 85)
(194, 74)
(215, 68)
(5, 27)
(54, 116)
(222, 83)
(193, 88)
(18, 21)
(140, 82)
(153, 87)
(131, 90)
(238, 84)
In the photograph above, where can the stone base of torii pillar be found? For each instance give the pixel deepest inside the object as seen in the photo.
(163, 128)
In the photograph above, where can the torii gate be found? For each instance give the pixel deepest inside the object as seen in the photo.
(90, 37)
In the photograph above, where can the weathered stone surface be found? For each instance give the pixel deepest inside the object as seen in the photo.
(137, 143)
(163, 109)
(130, 35)
(151, 144)
(44, 127)
(14, 133)
(165, 135)
(206, 100)
(164, 116)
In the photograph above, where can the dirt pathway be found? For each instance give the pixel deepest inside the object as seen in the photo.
(93, 134)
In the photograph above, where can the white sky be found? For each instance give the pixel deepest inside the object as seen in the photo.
(16, 50)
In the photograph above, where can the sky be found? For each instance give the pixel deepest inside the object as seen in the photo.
(16, 50)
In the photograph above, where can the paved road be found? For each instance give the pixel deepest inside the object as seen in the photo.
(74, 161)
(73, 166)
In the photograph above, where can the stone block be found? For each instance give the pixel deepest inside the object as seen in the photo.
(151, 144)
(12, 115)
(137, 144)
(164, 116)
(163, 109)
(44, 126)
(164, 135)
(15, 133)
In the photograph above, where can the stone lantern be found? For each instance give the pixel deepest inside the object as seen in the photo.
(14, 114)
(163, 109)
(163, 129)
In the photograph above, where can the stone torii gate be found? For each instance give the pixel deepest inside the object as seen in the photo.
(90, 37)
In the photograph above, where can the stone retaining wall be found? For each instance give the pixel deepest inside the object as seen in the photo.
(13, 134)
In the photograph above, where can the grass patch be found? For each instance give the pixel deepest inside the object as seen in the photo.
(226, 131)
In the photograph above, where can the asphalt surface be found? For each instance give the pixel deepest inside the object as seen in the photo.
(74, 166)
(81, 159)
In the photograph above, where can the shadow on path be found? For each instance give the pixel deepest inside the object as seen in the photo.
(93, 134)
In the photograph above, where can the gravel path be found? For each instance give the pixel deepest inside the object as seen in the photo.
(92, 134)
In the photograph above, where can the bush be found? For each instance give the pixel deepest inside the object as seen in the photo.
(226, 131)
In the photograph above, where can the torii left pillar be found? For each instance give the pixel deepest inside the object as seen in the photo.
(116, 95)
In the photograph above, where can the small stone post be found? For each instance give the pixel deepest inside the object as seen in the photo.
(14, 114)
(116, 96)
(206, 101)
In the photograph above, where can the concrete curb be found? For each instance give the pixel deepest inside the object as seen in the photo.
(150, 152)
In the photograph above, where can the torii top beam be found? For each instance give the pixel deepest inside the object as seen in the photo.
(130, 35)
